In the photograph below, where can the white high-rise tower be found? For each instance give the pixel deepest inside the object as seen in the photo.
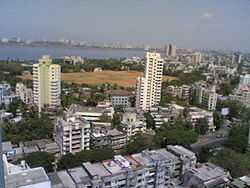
(46, 83)
(148, 88)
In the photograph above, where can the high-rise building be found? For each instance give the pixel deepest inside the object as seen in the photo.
(196, 57)
(148, 88)
(170, 50)
(72, 134)
(46, 83)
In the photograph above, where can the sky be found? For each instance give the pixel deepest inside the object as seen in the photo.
(206, 24)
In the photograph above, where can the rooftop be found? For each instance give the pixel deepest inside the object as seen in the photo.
(26, 177)
(208, 171)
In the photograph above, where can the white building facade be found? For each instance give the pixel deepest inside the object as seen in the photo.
(46, 83)
(148, 88)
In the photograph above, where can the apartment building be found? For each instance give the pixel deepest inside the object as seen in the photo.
(244, 80)
(148, 169)
(132, 123)
(20, 176)
(148, 88)
(182, 92)
(194, 115)
(206, 175)
(72, 134)
(46, 83)
(166, 114)
(24, 93)
(6, 97)
(120, 98)
(196, 57)
(242, 94)
(92, 114)
(205, 96)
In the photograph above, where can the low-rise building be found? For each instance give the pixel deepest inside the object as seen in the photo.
(118, 140)
(166, 114)
(205, 176)
(132, 123)
(20, 176)
(120, 98)
(182, 92)
(194, 115)
(205, 96)
(242, 182)
(72, 134)
(152, 169)
(6, 97)
(24, 93)
(91, 114)
(242, 94)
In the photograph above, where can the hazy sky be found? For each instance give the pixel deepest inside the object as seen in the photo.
(220, 24)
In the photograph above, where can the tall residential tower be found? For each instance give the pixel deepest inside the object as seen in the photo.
(148, 88)
(46, 83)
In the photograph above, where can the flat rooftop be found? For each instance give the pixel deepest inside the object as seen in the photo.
(208, 171)
(79, 175)
(96, 169)
(26, 178)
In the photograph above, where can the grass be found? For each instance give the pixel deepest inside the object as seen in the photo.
(121, 78)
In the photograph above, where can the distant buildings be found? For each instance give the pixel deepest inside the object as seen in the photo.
(196, 57)
(22, 176)
(72, 134)
(148, 88)
(170, 50)
(24, 93)
(73, 60)
(46, 83)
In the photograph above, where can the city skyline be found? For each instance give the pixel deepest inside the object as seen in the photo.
(192, 24)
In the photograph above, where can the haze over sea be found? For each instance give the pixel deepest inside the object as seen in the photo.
(33, 53)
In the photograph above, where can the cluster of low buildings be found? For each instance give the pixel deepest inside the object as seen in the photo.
(170, 167)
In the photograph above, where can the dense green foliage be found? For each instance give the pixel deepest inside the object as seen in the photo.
(93, 155)
(38, 159)
(238, 138)
(32, 128)
(177, 133)
(237, 163)
(106, 64)
(140, 142)
(9, 71)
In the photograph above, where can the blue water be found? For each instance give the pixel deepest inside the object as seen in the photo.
(33, 53)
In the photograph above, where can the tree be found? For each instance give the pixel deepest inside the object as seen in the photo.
(94, 155)
(40, 159)
(204, 155)
(238, 138)
(238, 164)
(177, 133)
(116, 119)
(139, 143)
(149, 120)
(218, 120)
(202, 126)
